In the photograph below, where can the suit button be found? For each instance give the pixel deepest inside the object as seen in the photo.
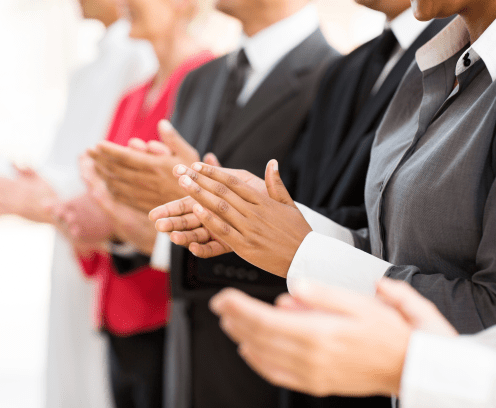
(241, 273)
(466, 59)
(218, 269)
(252, 275)
(230, 271)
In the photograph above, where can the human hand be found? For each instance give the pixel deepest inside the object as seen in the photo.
(142, 179)
(334, 343)
(28, 195)
(82, 221)
(177, 219)
(419, 312)
(264, 230)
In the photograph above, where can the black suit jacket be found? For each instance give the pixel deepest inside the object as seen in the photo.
(265, 128)
(329, 166)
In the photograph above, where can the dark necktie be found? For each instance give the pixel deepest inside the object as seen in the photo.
(378, 59)
(234, 85)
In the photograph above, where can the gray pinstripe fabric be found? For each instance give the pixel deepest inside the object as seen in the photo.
(431, 192)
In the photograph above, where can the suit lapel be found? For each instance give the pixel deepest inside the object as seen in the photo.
(280, 85)
(212, 108)
(372, 109)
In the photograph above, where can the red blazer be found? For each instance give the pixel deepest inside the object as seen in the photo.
(138, 301)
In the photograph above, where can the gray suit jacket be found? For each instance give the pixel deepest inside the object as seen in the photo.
(265, 128)
(431, 191)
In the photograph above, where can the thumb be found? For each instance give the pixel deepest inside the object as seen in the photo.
(212, 160)
(174, 141)
(275, 186)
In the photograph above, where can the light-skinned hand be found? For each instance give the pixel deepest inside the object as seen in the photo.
(326, 342)
(141, 176)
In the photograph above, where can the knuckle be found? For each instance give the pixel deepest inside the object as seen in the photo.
(220, 189)
(225, 229)
(223, 206)
(209, 170)
(232, 180)
(193, 175)
(197, 189)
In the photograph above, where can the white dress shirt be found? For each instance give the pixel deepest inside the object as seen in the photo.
(264, 51)
(76, 363)
(406, 28)
(330, 256)
(450, 372)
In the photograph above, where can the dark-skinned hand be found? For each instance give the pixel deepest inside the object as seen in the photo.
(264, 230)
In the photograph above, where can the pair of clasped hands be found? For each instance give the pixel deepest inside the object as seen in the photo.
(319, 340)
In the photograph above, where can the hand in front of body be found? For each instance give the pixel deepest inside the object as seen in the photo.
(327, 341)
(28, 195)
(128, 224)
(264, 229)
(140, 175)
(82, 221)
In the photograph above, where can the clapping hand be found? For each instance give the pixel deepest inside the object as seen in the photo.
(262, 225)
(140, 175)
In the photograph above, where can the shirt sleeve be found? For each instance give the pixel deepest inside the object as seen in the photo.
(328, 255)
(445, 372)
(161, 252)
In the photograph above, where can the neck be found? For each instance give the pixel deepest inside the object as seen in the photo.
(172, 54)
(478, 17)
(269, 16)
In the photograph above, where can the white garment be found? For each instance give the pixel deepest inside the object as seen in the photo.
(406, 28)
(444, 372)
(264, 51)
(268, 47)
(323, 256)
(76, 364)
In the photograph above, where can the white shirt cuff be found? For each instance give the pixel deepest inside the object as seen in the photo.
(445, 372)
(336, 263)
(324, 225)
(161, 252)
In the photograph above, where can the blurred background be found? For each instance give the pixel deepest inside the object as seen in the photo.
(41, 43)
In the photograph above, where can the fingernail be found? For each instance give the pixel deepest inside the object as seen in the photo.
(196, 167)
(199, 208)
(186, 180)
(165, 125)
(181, 170)
(275, 166)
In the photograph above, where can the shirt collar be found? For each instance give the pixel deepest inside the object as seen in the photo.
(406, 28)
(452, 40)
(268, 46)
(114, 33)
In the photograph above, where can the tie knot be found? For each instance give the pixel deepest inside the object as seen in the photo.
(242, 60)
(387, 43)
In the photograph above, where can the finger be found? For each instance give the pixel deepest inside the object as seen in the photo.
(185, 238)
(226, 231)
(225, 204)
(209, 249)
(112, 170)
(333, 299)
(223, 177)
(174, 141)
(137, 144)
(270, 372)
(185, 222)
(275, 186)
(173, 209)
(288, 302)
(211, 160)
(156, 147)
(123, 190)
(121, 155)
